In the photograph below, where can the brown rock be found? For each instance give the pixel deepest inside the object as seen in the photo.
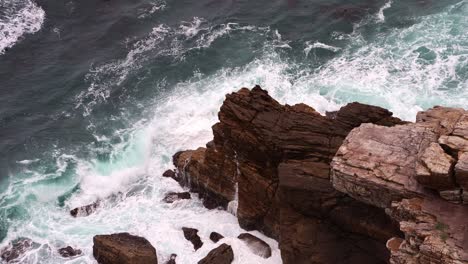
(279, 155)
(123, 248)
(174, 196)
(377, 164)
(170, 174)
(220, 255)
(191, 235)
(435, 169)
(215, 237)
(256, 245)
(68, 251)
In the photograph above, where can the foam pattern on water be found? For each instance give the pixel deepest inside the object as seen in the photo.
(405, 70)
(17, 18)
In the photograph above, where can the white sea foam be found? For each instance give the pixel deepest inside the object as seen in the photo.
(380, 14)
(154, 6)
(318, 45)
(18, 18)
(391, 70)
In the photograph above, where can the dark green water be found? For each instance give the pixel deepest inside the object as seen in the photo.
(96, 96)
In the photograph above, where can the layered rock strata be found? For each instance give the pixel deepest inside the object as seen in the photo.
(276, 159)
(417, 173)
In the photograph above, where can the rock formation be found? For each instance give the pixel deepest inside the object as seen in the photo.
(174, 196)
(256, 245)
(68, 252)
(220, 255)
(275, 159)
(416, 172)
(191, 235)
(123, 248)
(16, 249)
(215, 237)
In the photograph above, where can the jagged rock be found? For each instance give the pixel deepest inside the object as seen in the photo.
(215, 237)
(435, 232)
(68, 251)
(191, 235)
(16, 249)
(388, 167)
(123, 248)
(172, 259)
(377, 164)
(174, 196)
(256, 245)
(279, 156)
(85, 210)
(220, 255)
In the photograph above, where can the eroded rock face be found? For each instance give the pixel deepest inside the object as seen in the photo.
(123, 248)
(220, 255)
(279, 157)
(256, 245)
(399, 168)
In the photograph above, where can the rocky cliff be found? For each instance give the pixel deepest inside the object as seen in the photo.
(273, 160)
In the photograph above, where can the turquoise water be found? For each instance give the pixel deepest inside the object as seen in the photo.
(95, 102)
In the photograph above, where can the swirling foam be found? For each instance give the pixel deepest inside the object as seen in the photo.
(18, 18)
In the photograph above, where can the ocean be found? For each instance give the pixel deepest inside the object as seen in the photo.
(97, 95)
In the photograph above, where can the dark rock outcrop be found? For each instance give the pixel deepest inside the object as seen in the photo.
(256, 245)
(16, 249)
(68, 252)
(174, 196)
(215, 237)
(278, 157)
(85, 210)
(123, 248)
(172, 259)
(220, 255)
(170, 174)
(191, 234)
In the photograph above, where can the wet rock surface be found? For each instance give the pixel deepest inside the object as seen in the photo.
(85, 210)
(215, 237)
(123, 248)
(16, 249)
(172, 259)
(256, 245)
(174, 196)
(68, 252)
(220, 255)
(191, 235)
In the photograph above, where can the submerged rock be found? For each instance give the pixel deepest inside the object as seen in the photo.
(68, 251)
(16, 249)
(174, 196)
(220, 255)
(256, 245)
(191, 235)
(85, 210)
(172, 259)
(215, 237)
(123, 248)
